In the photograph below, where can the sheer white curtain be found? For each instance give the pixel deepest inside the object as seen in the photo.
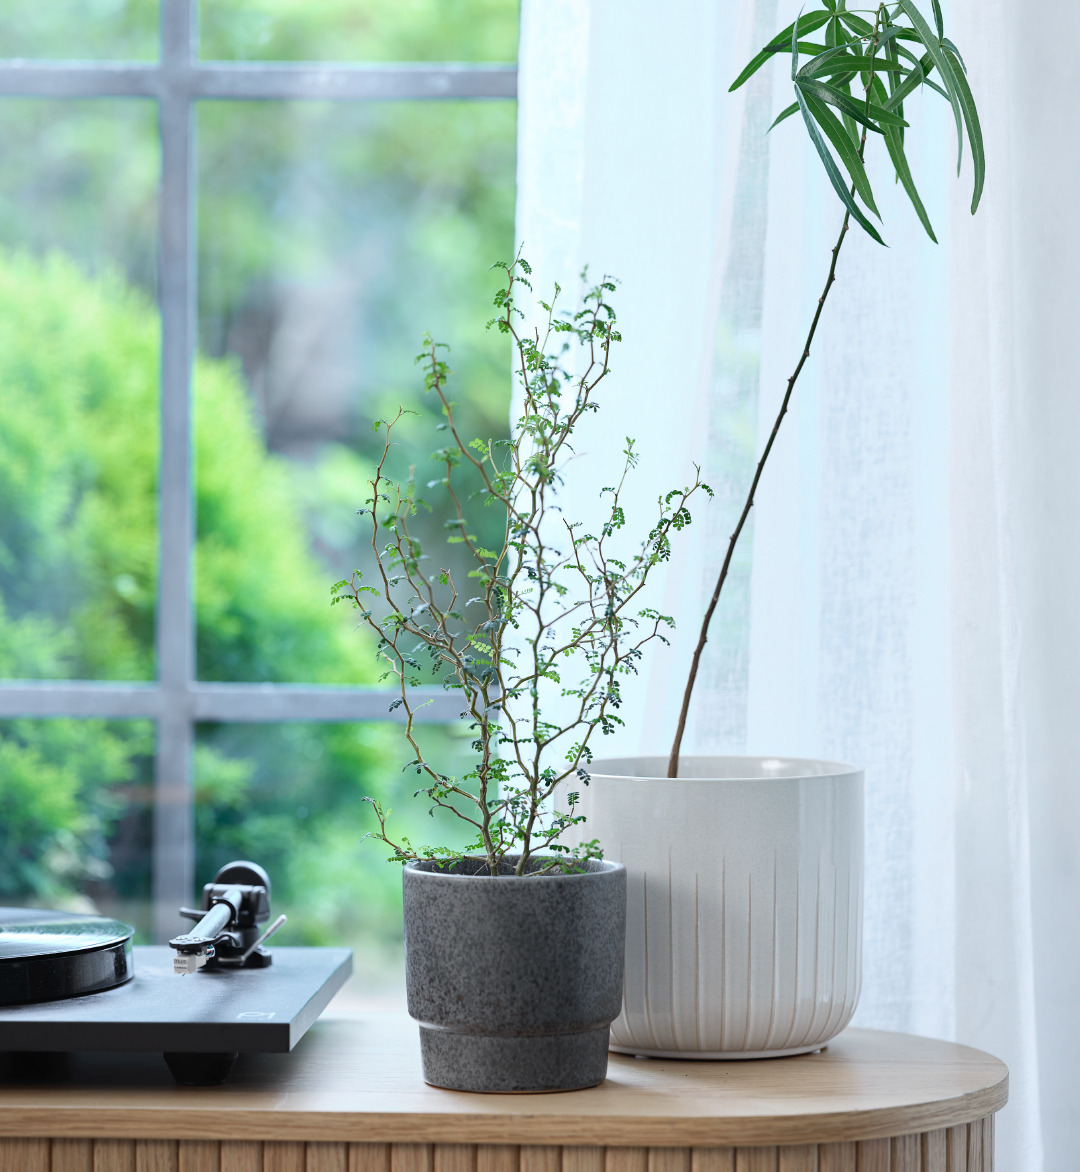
(907, 597)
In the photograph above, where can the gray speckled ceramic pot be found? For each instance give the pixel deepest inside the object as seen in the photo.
(514, 980)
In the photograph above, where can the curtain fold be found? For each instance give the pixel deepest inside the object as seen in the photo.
(904, 597)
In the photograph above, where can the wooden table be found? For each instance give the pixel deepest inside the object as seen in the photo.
(350, 1099)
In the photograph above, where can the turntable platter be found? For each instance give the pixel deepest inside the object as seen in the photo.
(48, 955)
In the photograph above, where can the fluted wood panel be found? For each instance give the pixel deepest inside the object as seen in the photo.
(539, 1158)
(875, 1155)
(29, 1154)
(376, 1158)
(837, 1157)
(624, 1159)
(668, 1160)
(201, 1156)
(504, 1158)
(712, 1160)
(410, 1157)
(334, 1157)
(246, 1156)
(156, 1155)
(287, 1157)
(967, 1148)
(454, 1158)
(578, 1159)
(70, 1155)
(756, 1159)
(114, 1155)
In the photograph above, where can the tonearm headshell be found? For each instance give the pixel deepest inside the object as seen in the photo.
(228, 932)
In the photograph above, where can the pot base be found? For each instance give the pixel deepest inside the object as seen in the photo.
(717, 1055)
(479, 1062)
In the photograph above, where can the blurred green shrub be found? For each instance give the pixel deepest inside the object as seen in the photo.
(78, 552)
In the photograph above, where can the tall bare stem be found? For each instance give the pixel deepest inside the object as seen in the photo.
(676, 748)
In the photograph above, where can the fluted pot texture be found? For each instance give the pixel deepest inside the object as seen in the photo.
(744, 901)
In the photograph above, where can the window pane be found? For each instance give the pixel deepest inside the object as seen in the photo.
(79, 347)
(359, 30)
(330, 239)
(75, 816)
(289, 796)
(80, 30)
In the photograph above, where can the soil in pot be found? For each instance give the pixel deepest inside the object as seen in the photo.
(514, 980)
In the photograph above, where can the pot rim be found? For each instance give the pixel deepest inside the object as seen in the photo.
(754, 768)
(608, 867)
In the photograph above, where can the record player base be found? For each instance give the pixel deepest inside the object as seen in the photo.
(350, 1099)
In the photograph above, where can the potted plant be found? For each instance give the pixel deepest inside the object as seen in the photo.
(749, 944)
(514, 945)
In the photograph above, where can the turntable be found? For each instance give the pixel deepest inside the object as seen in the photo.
(73, 983)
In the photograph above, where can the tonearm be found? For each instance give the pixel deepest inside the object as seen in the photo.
(227, 934)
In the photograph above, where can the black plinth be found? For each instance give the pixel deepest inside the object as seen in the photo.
(211, 1014)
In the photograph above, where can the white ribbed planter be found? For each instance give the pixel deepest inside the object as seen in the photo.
(744, 901)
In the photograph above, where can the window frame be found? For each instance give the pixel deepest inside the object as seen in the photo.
(177, 701)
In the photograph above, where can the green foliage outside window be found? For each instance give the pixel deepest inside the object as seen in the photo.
(78, 468)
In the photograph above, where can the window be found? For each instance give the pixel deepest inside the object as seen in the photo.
(223, 231)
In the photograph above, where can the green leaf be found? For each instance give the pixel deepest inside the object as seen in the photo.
(974, 130)
(933, 47)
(895, 145)
(912, 82)
(833, 171)
(785, 113)
(780, 43)
(857, 24)
(937, 19)
(868, 113)
(853, 64)
(849, 156)
(947, 44)
(827, 55)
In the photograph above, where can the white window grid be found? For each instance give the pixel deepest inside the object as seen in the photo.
(177, 701)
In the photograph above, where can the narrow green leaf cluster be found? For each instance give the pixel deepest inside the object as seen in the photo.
(554, 607)
(864, 72)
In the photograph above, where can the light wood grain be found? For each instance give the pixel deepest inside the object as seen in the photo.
(975, 1146)
(283, 1157)
(114, 1155)
(799, 1158)
(157, 1155)
(540, 1158)
(411, 1158)
(374, 1158)
(756, 1159)
(332, 1157)
(243, 1155)
(453, 1158)
(968, 1148)
(25, 1155)
(669, 1160)
(837, 1157)
(956, 1149)
(69, 1155)
(934, 1152)
(200, 1156)
(626, 1160)
(357, 1080)
(577, 1159)
(501, 1158)
(712, 1160)
(875, 1155)
(906, 1153)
